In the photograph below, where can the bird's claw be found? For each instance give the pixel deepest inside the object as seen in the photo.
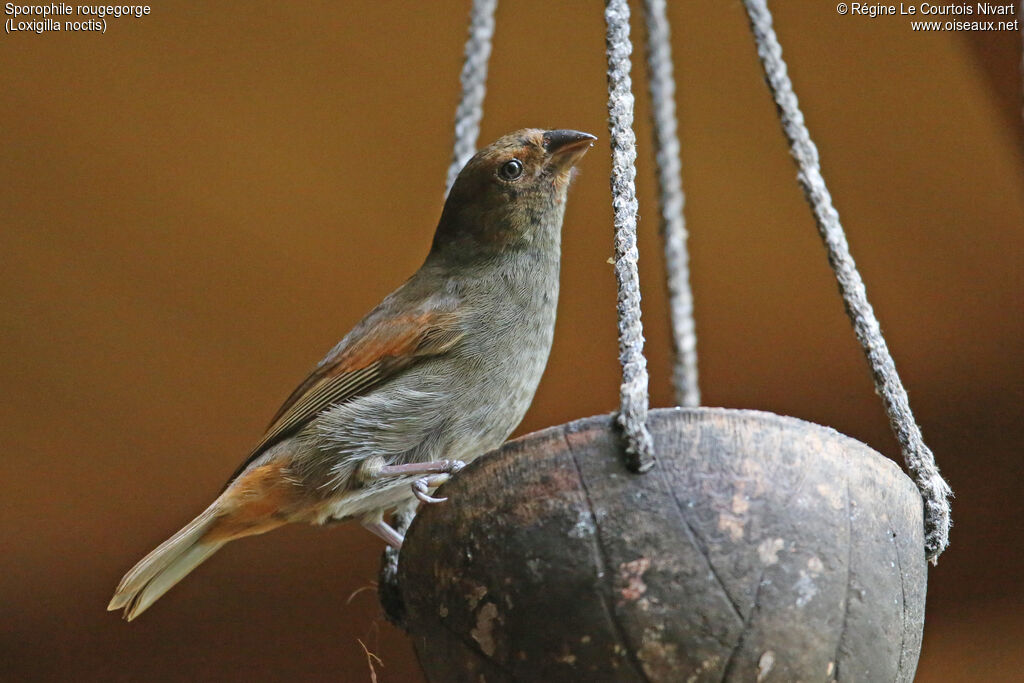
(420, 487)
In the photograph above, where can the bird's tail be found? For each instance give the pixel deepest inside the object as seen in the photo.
(168, 564)
(255, 502)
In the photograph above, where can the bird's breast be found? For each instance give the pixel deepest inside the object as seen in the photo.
(506, 348)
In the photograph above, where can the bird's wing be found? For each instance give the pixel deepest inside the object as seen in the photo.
(376, 350)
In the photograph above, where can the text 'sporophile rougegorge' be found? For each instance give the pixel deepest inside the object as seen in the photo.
(59, 17)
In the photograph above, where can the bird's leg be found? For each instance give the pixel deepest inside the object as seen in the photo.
(437, 470)
(378, 527)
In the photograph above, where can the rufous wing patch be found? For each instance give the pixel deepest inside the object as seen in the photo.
(369, 357)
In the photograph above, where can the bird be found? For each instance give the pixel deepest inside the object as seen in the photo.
(440, 372)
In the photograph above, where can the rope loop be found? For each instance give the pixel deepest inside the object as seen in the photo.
(633, 397)
(468, 115)
(918, 457)
(474, 86)
(671, 200)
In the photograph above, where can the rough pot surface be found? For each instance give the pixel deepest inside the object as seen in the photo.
(761, 548)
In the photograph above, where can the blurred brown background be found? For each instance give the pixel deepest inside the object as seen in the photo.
(197, 204)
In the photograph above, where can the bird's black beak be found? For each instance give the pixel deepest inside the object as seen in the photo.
(566, 147)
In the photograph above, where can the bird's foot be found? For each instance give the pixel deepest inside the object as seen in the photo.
(437, 473)
(421, 486)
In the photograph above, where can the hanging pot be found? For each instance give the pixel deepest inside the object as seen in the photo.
(760, 548)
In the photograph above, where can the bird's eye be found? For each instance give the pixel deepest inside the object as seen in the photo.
(511, 170)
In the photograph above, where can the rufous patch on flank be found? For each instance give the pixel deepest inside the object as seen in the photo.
(256, 502)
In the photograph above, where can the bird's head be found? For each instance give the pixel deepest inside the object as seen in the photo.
(512, 191)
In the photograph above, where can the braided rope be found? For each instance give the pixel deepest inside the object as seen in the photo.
(633, 399)
(474, 86)
(918, 457)
(468, 114)
(671, 199)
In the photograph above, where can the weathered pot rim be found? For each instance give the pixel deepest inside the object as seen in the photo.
(607, 421)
